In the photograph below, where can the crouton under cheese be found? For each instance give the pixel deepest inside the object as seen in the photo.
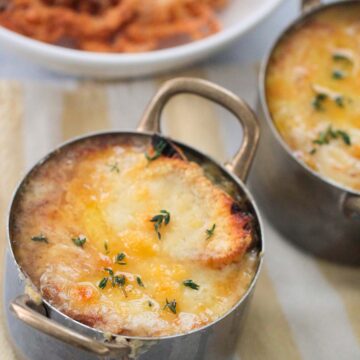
(86, 233)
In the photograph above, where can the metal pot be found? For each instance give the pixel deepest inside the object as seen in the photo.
(214, 341)
(315, 213)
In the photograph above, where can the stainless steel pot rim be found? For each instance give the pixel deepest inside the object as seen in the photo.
(145, 134)
(262, 91)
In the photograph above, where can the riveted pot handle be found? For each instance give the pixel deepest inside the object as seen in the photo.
(308, 5)
(23, 308)
(241, 162)
(351, 206)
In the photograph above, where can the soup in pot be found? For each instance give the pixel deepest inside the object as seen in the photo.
(313, 93)
(131, 239)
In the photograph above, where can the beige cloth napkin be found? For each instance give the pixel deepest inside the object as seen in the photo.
(303, 308)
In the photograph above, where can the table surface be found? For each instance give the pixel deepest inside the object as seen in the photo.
(247, 51)
(308, 311)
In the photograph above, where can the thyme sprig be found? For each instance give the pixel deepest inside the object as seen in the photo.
(189, 283)
(338, 74)
(106, 247)
(342, 57)
(103, 282)
(114, 167)
(323, 95)
(120, 281)
(40, 238)
(119, 259)
(139, 281)
(329, 134)
(318, 101)
(79, 240)
(116, 280)
(210, 232)
(158, 220)
(171, 305)
(110, 271)
(158, 149)
(339, 101)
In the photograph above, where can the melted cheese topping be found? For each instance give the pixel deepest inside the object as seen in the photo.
(313, 93)
(108, 196)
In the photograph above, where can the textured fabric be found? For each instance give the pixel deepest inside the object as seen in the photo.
(303, 308)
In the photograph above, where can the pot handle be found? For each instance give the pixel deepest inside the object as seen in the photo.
(241, 162)
(23, 308)
(307, 5)
(351, 206)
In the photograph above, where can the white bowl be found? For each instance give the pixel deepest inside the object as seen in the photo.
(236, 18)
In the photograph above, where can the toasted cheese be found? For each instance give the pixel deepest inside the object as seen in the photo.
(313, 93)
(107, 195)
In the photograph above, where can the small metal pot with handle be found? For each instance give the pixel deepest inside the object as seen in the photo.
(214, 341)
(315, 213)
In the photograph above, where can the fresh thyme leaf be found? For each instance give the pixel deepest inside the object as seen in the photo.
(110, 271)
(312, 151)
(120, 256)
(210, 232)
(120, 281)
(139, 281)
(339, 100)
(329, 134)
(40, 238)
(119, 259)
(114, 167)
(158, 149)
(341, 57)
(158, 220)
(338, 75)
(345, 136)
(322, 139)
(103, 282)
(167, 216)
(189, 283)
(156, 226)
(324, 136)
(79, 241)
(171, 305)
(106, 246)
(318, 101)
(332, 133)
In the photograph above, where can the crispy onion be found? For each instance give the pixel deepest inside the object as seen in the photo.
(112, 25)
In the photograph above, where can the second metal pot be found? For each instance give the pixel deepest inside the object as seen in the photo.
(316, 214)
(214, 341)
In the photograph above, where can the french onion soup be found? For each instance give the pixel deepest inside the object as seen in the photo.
(133, 239)
(313, 92)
